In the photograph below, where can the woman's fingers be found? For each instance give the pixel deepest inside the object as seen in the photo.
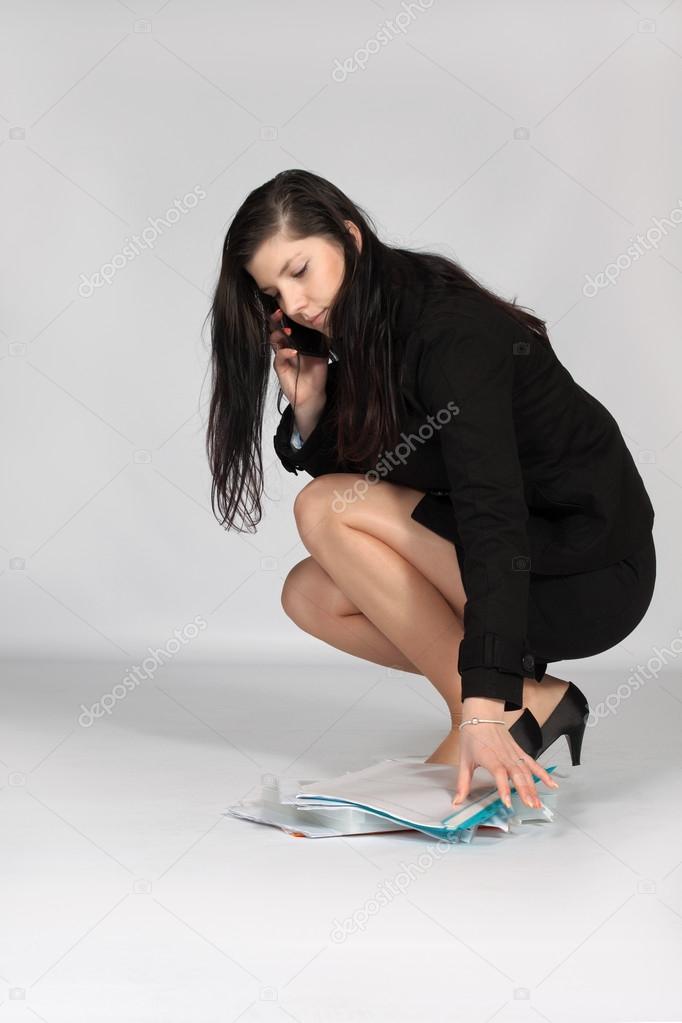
(275, 327)
(500, 776)
(275, 319)
(509, 765)
(463, 782)
(278, 335)
(523, 782)
(520, 775)
(542, 773)
(279, 342)
(526, 785)
(279, 338)
(526, 782)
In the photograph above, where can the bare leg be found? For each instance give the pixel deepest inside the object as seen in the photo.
(388, 576)
(397, 601)
(405, 621)
(316, 604)
(320, 608)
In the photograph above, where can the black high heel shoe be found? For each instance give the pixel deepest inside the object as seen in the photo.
(526, 732)
(568, 718)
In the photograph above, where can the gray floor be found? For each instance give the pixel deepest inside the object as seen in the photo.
(127, 894)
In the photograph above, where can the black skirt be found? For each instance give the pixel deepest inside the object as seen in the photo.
(569, 616)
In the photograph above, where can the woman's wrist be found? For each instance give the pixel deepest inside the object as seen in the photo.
(307, 417)
(478, 710)
(482, 707)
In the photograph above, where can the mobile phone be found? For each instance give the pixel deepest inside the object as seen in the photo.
(305, 340)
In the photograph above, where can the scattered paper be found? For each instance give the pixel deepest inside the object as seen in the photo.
(393, 795)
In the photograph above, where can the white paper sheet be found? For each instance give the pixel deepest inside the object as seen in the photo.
(393, 795)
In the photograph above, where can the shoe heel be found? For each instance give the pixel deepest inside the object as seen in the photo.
(574, 739)
(568, 718)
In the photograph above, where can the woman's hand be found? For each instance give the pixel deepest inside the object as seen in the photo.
(311, 387)
(491, 746)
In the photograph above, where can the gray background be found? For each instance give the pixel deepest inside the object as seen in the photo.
(532, 141)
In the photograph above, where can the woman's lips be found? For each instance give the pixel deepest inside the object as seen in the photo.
(318, 319)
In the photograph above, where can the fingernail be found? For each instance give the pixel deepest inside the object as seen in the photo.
(507, 802)
(287, 330)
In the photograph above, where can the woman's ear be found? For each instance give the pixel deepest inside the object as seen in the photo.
(355, 231)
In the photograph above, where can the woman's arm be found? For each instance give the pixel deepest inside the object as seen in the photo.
(466, 382)
(316, 454)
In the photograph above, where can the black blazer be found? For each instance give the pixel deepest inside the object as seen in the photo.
(539, 476)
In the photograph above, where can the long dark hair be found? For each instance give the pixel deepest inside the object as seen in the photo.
(360, 322)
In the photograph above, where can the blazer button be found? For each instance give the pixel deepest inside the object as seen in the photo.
(528, 663)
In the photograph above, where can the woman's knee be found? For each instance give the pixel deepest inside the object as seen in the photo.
(322, 502)
(307, 589)
(295, 589)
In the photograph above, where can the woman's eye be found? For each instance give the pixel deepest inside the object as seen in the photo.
(299, 274)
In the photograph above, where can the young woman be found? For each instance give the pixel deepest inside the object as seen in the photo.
(474, 513)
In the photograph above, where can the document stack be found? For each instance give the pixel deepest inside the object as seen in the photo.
(404, 793)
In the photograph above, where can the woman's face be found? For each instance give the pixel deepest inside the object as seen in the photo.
(303, 276)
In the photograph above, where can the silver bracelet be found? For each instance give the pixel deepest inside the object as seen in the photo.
(477, 721)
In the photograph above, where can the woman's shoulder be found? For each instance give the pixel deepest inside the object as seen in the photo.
(464, 311)
(461, 326)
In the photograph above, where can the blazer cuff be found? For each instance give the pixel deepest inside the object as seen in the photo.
(491, 684)
(494, 667)
(292, 456)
